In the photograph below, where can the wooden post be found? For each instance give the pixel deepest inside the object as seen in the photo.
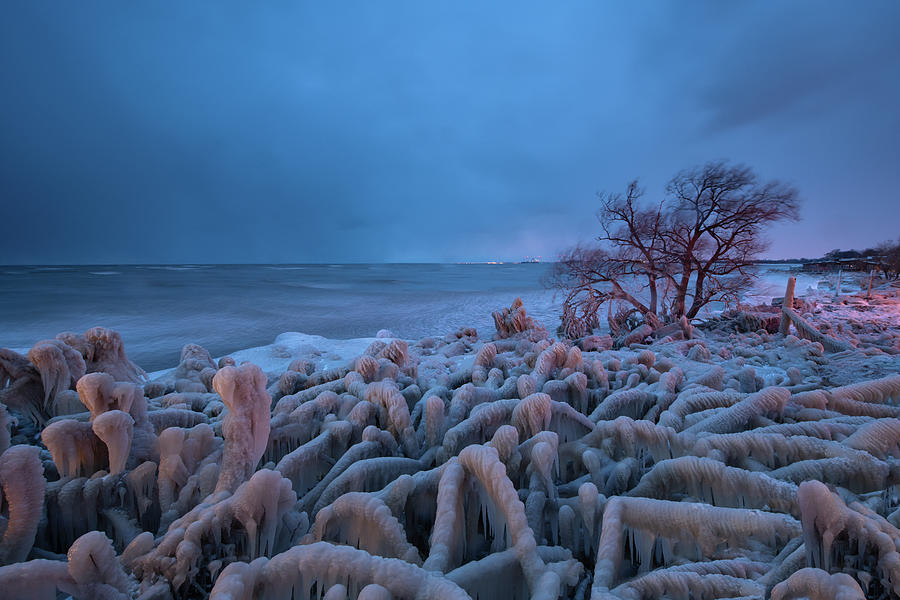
(869, 291)
(788, 303)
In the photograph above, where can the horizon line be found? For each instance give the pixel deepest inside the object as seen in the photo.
(264, 264)
(326, 263)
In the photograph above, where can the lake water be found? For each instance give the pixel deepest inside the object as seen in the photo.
(158, 309)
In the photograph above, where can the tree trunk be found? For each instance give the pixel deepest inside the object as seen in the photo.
(697, 303)
(681, 291)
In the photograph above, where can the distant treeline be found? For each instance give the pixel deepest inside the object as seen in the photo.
(886, 253)
(883, 250)
(781, 261)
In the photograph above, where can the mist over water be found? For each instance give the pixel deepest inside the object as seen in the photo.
(224, 308)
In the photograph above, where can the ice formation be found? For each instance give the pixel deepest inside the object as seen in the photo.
(755, 456)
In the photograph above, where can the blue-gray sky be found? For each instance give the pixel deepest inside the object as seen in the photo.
(427, 131)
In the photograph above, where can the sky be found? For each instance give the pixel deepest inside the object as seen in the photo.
(419, 131)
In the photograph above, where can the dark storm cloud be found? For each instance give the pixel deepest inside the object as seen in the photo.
(228, 132)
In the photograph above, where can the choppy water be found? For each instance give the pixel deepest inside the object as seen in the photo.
(158, 309)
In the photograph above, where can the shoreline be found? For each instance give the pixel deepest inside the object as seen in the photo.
(226, 310)
(290, 345)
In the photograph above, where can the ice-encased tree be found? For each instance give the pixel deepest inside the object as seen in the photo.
(670, 258)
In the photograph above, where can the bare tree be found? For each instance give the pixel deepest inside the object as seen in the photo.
(889, 252)
(670, 259)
